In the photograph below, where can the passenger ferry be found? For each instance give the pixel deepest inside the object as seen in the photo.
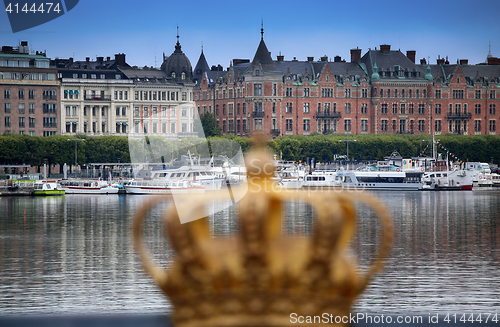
(76, 186)
(381, 180)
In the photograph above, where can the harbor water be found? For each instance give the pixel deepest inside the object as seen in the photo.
(74, 254)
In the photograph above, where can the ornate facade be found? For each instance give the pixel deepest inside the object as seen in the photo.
(383, 91)
(108, 97)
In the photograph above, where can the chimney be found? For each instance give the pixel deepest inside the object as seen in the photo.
(464, 61)
(493, 61)
(108, 58)
(423, 61)
(324, 58)
(385, 48)
(294, 59)
(355, 55)
(337, 59)
(310, 59)
(440, 61)
(411, 54)
(100, 59)
(280, 58)
(87, 59)
(120, 59)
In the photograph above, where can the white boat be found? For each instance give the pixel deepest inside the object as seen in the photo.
(495, 180)
(289, 175)
(77, 186)
(381, 180)
(454, 180)
(162, 186)
(322, 178)
(208, 178)
(481, 174)
(47, 187)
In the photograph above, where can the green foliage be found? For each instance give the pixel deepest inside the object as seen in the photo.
(375, 147)
(24, 149)
(207, 126)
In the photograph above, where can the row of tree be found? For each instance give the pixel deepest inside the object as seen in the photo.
(484, 148)
(23, 149)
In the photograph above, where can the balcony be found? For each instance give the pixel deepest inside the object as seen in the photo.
(98, 98)
(330, 115)
(258, 114)
(459, 115)
(275, 132)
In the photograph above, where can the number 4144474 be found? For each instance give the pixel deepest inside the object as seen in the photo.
(478, 317)
(26, 8)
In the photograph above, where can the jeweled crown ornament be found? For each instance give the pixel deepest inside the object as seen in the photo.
(261, 277)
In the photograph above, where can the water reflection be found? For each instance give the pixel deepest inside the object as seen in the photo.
(74, 253)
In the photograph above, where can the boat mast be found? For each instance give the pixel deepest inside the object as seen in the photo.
(433, 147)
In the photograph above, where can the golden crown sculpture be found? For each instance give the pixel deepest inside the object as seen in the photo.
(260, 277)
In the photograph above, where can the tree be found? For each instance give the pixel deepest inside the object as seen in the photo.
(208, 126)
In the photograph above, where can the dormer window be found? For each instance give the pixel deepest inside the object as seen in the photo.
(173, 74)
(257, 72)
(183, 75)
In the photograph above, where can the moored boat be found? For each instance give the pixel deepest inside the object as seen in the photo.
(381, 180)
(454, 180)
(495, 180)
(322, 179)
(47, 187)
(76, 186)
(157, 186)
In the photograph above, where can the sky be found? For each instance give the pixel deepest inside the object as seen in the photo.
(144, 30)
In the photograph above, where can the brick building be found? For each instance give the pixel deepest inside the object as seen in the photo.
(29, 92)
(383, 91)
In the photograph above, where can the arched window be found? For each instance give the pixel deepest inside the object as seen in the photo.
(173, 74)
(183, 75)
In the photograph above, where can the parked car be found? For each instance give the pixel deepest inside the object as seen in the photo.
(495, 170)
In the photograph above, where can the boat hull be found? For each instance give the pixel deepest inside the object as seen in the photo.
(90, 190)
(48, 192)
(133, 189)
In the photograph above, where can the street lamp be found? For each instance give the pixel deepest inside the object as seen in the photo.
(347, 141)
(76, 151)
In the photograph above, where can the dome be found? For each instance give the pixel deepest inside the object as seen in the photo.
(177, 67)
